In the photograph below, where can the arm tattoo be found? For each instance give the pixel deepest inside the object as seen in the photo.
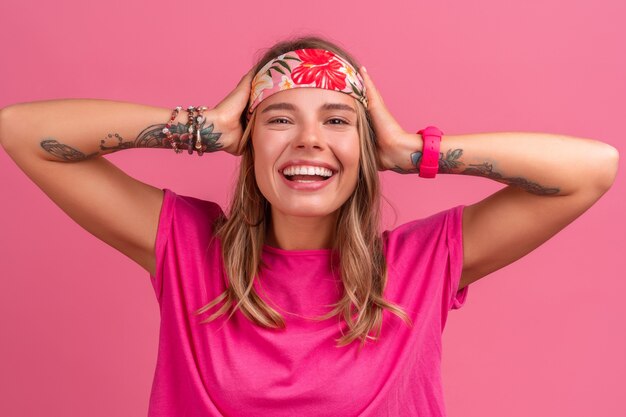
(446, 164)
(209, 138)
(451, 164)
(64, 152)
(153, 137)
(486, 170)
(416, 157)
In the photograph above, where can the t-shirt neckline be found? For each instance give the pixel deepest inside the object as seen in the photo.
(299, 252)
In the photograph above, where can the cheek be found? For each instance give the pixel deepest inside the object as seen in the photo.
(267, 148)
(265, 158)
(262, 170)
(348, 154)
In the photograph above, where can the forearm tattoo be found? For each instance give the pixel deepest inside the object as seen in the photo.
(446, 164)
(486, 170)
(151, 137)
(451, 164)
(64, 152)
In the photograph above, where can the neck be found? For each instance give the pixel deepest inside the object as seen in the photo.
(301, 233)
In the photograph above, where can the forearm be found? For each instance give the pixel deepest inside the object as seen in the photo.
(540, 163)
(72, 130)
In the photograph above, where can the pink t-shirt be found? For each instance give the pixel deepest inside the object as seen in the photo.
(246, 370)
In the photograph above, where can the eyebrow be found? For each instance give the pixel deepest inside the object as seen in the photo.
(327, 106)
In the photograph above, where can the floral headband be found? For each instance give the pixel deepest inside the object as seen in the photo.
(315, 68)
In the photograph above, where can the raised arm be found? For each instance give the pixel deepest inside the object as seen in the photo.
(552, 179)
(59, 144)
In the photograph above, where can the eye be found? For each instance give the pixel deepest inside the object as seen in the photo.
(279, 120)
(341, 121)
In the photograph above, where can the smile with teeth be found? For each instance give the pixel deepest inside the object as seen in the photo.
(307, 173)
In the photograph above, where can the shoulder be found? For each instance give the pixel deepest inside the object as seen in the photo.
(427, 228)
(425, 237)
(185, 234)
(185, 208)
(189, 203)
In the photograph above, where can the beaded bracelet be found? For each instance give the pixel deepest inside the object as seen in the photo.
(200, 147)
(166, 130)
(190, 140)
(190, 128)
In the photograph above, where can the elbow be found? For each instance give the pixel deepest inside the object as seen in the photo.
(9, 136)
(4, 127)
(2, 123)
(606, 168)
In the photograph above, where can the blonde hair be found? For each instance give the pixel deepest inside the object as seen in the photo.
(363, 269)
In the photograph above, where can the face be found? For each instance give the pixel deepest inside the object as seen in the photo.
(306, 131)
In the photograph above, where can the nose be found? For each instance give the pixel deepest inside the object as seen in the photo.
(309, 137)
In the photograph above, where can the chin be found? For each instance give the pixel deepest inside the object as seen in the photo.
(306, 210)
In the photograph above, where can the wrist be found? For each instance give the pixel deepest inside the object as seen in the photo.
(407, 153)
(219, 130)
(193, 130)
(429, 161)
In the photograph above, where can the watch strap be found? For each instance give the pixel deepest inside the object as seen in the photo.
(429, 164)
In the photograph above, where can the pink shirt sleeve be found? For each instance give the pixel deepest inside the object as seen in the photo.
(195, 219)
(425, 258)
(455, 246)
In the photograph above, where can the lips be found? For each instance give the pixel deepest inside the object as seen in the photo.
(302, 175)
(307, 171)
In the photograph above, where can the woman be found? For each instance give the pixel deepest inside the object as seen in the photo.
(298, 270)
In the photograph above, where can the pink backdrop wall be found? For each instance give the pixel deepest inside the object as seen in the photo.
(545, 336)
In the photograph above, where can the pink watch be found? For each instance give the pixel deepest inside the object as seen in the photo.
(429, 164)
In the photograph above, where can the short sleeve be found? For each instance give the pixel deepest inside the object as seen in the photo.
(184, 241)
(425, 259)
(163, 232)
(454, 238)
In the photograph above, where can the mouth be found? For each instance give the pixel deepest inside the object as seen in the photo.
(304, 176)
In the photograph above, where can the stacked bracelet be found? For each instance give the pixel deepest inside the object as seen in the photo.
(190, 140)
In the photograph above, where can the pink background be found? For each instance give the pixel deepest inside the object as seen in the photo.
(545, 336)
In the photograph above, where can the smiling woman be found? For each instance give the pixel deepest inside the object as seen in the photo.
(298, 270)
(308, 135)
(292, 127)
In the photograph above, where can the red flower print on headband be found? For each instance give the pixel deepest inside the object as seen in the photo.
(319, 67)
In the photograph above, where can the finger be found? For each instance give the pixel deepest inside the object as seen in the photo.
(249, 75)
(243, 86)
(384, 123)
(373, 96)
(247, 78)
(376, 105)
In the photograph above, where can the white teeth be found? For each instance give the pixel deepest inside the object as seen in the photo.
(307, 170)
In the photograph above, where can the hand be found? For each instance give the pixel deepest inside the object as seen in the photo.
(393, 143)
(228, 114)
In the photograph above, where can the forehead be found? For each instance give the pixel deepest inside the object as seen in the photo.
(307, 98)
